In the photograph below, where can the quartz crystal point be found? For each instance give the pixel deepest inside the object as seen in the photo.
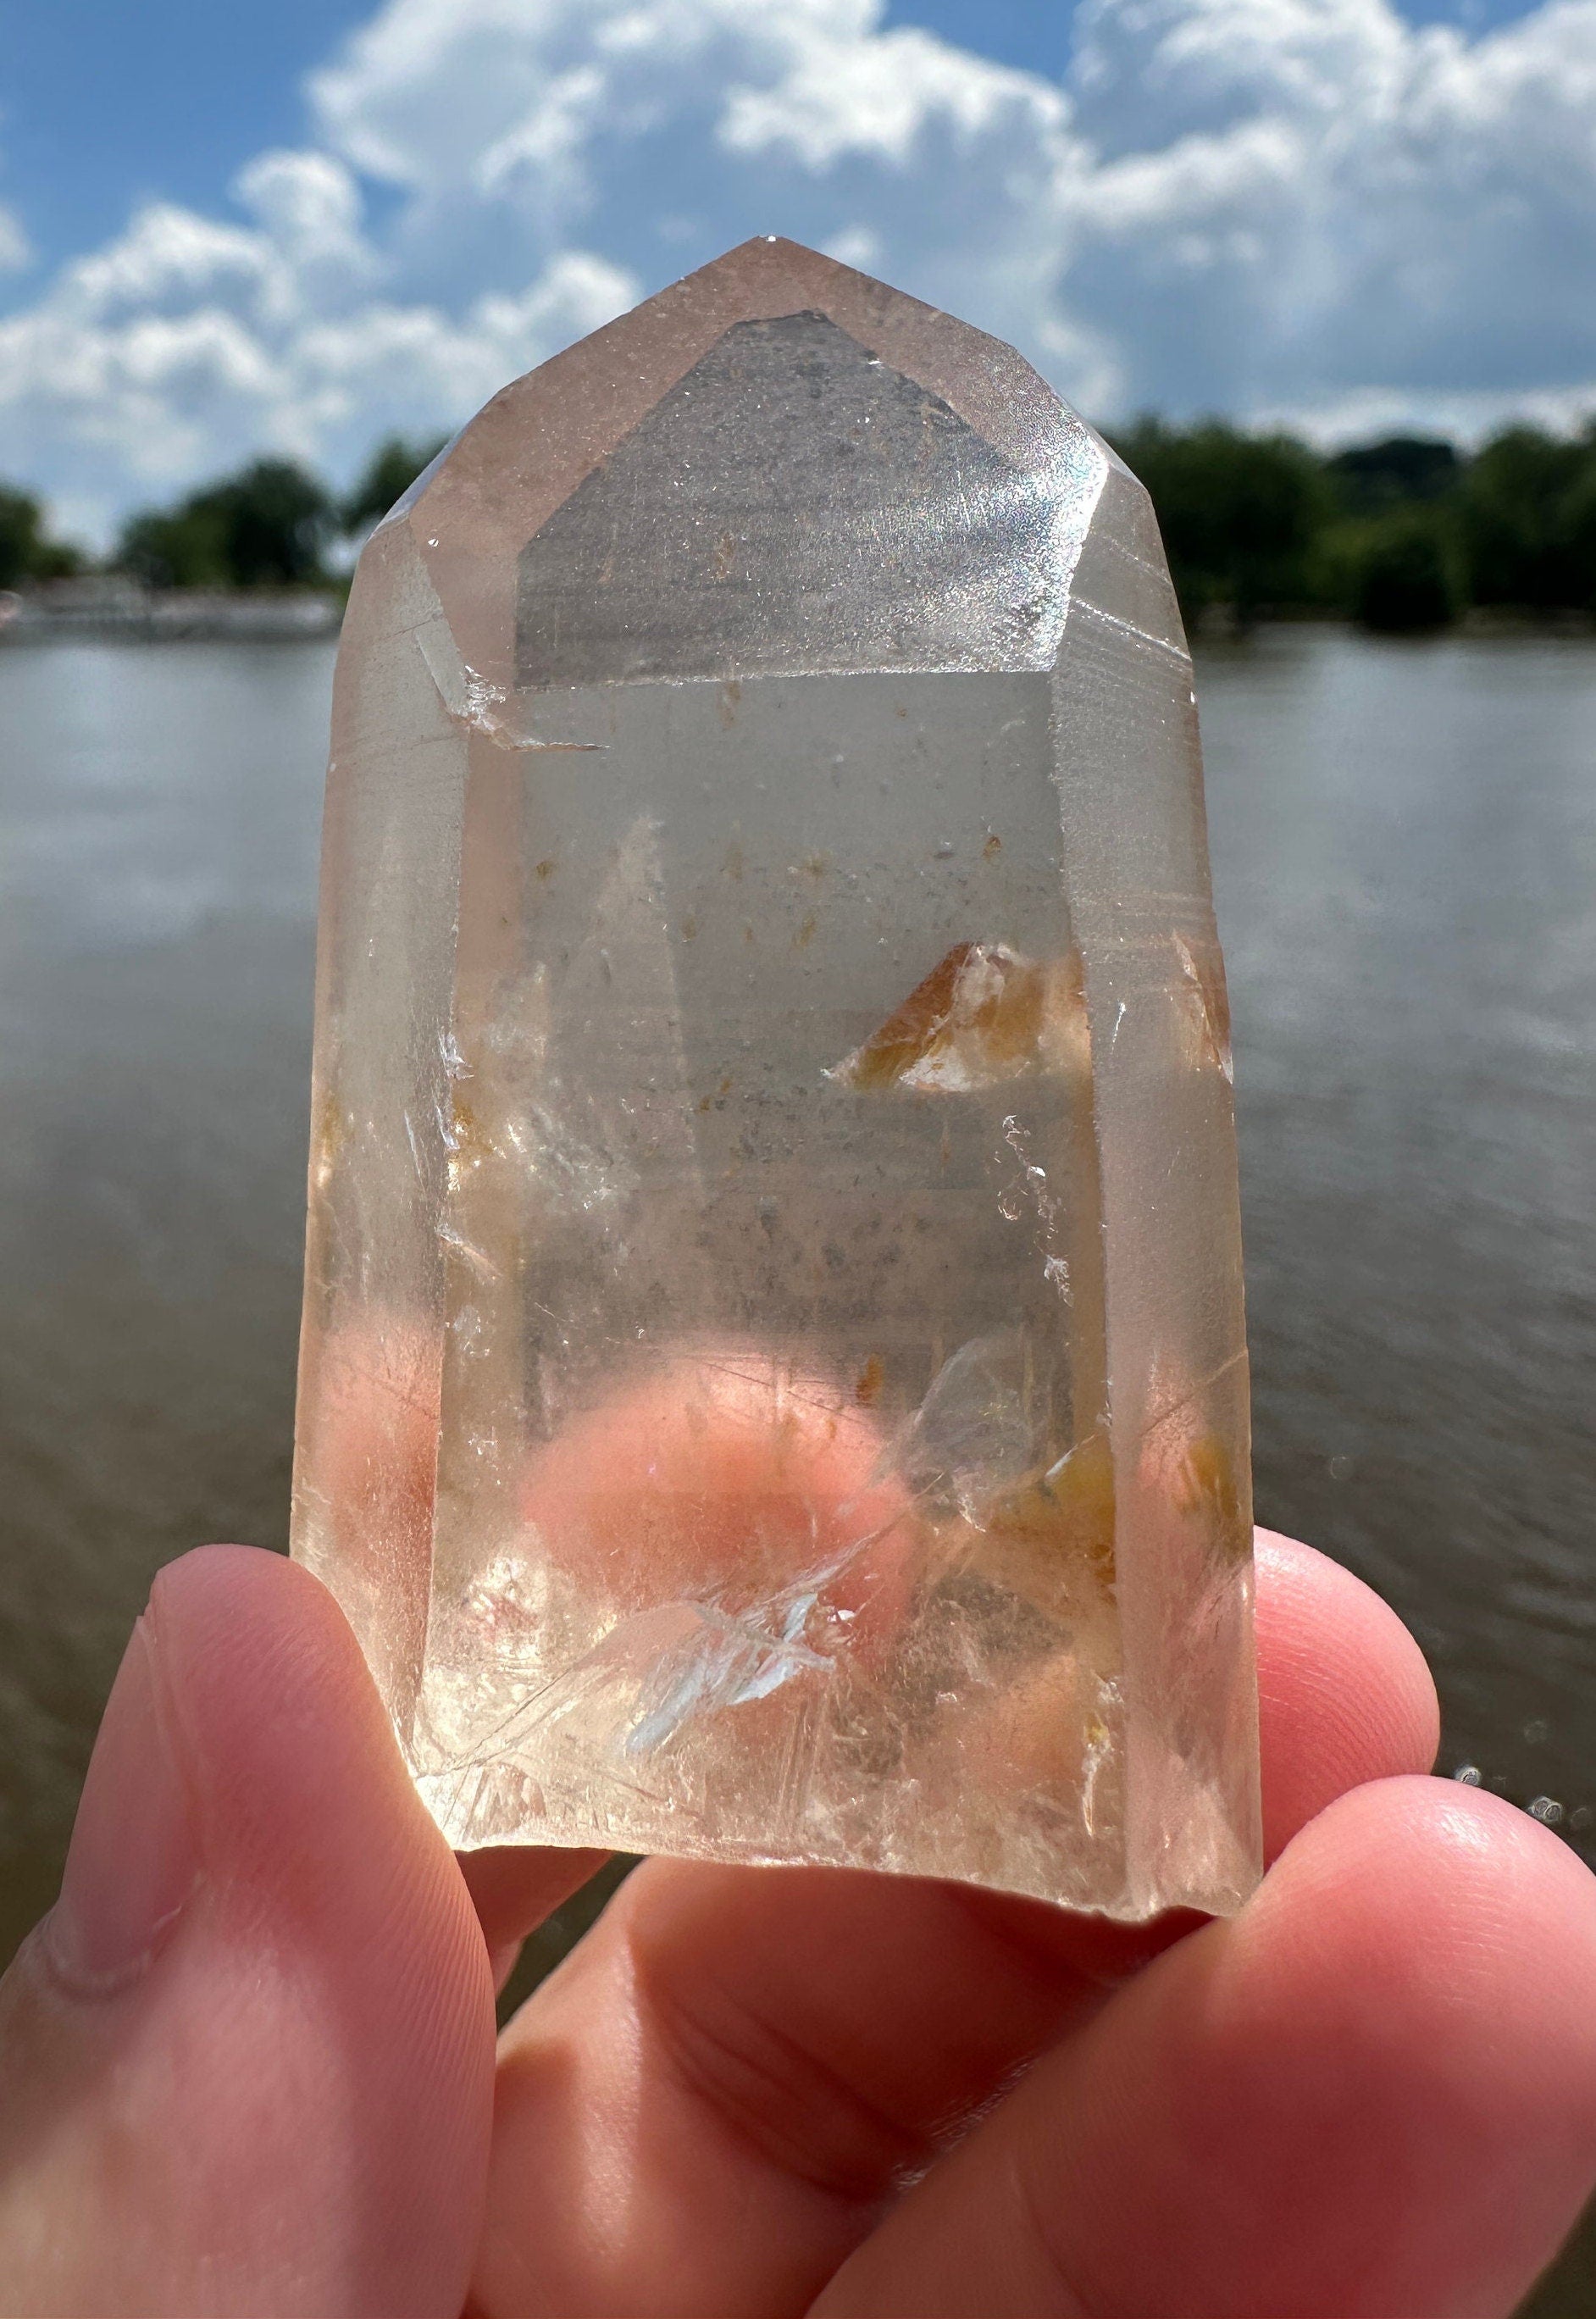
(774, 1382)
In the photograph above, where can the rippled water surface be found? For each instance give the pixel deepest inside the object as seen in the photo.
(1404, 842)
(1404, 848)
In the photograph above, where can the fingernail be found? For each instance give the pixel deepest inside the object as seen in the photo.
(133, 1861)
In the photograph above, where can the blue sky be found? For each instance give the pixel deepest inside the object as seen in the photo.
(107, 103)
(226, 227)
(103, 104)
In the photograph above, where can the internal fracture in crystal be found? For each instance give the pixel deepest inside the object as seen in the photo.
(773, 1384)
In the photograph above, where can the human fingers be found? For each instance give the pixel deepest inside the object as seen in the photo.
(767, 2053)
(1373, 2095)
(246, 2059)
(1344, 1693)
(513, 1886)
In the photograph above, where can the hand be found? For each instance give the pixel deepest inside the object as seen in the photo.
(247, 2063)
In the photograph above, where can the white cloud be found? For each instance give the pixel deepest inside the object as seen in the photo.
(188, 343)
(1299, 209)
(1298, 198)
(845, 97)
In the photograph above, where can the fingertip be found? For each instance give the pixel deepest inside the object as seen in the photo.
(1372, 2092)
(1418, 1968)
(513, 1886)
(282, 1729)
(218, 1604)
(306, 1809)
(1446, 1893)
(1344, 1693)
(269, 2059)
(257, 1651)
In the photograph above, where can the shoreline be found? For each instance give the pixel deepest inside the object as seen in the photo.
(108, 609)
(124, 610)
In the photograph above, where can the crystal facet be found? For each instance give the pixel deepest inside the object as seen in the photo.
(774, 1384)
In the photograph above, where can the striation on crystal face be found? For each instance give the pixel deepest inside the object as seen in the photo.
(773, 1384)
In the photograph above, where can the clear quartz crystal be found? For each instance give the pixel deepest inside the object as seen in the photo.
(773, 1382)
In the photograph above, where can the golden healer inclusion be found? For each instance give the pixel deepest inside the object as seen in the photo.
(774, 1384)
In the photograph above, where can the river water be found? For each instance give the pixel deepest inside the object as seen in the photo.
(1404, 846)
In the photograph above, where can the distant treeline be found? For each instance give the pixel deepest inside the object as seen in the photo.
(1404, 534)
(272, 525)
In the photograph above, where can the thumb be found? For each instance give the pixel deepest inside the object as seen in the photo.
(246, 2063)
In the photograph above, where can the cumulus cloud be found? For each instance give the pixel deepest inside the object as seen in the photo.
(1305, 210)
(1302, 200)
(189, 342)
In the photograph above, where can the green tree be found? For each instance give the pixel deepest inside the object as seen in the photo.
(1579, 530)
(389, 473)
(266, 526)
(1396, 472)
(175, 547)
(26, 550)
(1403, 572)
(1525, 508)
(1239, 513)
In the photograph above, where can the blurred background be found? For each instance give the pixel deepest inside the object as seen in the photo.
(1320, 268)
